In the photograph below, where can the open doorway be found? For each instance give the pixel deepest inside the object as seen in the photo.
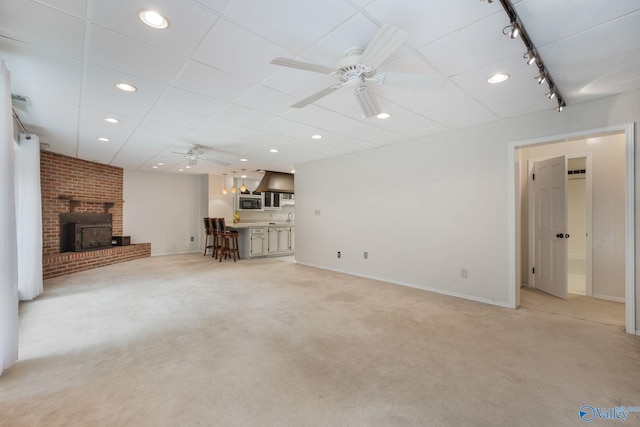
(599, 262)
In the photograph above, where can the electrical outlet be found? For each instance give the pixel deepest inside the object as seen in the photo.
(317, 212)
(464, 273)
(366, 255)
(339, 254)
(192, 238)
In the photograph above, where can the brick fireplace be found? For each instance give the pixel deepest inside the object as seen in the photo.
(72, 185)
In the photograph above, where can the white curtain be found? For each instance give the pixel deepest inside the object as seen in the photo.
(29, 217)
(8, 236)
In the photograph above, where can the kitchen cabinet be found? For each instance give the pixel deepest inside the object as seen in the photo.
(272, 201)
(279, 240)
(257, 243)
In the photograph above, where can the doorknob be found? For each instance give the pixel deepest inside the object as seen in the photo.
(559, 235)
(566, 236)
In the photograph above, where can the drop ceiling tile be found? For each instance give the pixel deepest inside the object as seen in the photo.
(209, 81)
(266, 99)
(188, 22)
(515, 97)
(97, 151)
(448, 58)
(175, 117)
(36, 24)
(92, 125)
(294, 25)
(103, 80)
(115, 51)
(261, 137)
(403, 121)
(593, 45)
(289, 128)
(461, 113)
(159, 134)
(601, 79)
(243, 116)
(357, 31)
(531, 106)
(474, 82)
(424, 23)
(423, 101)
(216, 5)
(39, 62)
(248, 56)
(73, 7)
(191, 103)
(546, 20)
(44, 92)
(115, 105)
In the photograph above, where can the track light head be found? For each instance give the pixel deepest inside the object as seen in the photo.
(541, 78)
(530, 57)
(551, 94)
(512, 30)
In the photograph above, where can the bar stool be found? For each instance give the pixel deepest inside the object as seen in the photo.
(228, 240)
(208, 230)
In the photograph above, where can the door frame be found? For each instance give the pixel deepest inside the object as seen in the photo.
(514, 217)
(588, 224)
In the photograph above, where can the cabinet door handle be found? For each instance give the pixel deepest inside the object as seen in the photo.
(560, 235)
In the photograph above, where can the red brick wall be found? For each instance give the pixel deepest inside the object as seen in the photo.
(71, 262)
(63, 175)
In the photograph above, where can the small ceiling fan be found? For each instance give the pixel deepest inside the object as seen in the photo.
(360, 66)
(195, 153)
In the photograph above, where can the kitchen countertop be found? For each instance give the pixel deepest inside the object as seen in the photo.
(261, 224)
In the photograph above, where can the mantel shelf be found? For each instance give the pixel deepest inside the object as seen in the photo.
(74, 201)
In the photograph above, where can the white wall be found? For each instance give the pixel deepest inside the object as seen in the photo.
(427, 208)
(608, 227)
(166, 210)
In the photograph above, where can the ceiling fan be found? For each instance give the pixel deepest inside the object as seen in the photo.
(359, 67)
(195, 153)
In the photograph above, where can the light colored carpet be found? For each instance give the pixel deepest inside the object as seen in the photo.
(578, 306)
(187, 341)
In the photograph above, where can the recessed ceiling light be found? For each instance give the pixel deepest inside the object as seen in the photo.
(293, 171)
(154, 167)
(274, 150)
(111, 120)
(498, 78)
(180, 170)
(383, 115)
(126, 87)
(103, 139)
(154, 19)
(316, 136)
(187, 167)
(160, 164)
(243, 160)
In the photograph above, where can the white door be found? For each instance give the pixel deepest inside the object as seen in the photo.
(550, 216)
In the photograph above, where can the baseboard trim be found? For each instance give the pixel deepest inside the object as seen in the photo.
(413, 285)
(178, 253)
(608, 298)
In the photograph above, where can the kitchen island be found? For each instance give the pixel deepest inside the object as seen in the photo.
(265, 239)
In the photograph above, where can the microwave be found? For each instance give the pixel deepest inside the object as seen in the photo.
(250, 203)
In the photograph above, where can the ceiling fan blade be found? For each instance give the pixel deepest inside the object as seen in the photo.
(386, 41)
(367, 100)
(292, 63)
(414, 80)
(324, 92)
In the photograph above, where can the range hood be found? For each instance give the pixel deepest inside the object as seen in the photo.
(276, 182)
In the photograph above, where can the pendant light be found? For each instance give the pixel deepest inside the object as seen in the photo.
(243, 188)
(224, 186)
(233, 182)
